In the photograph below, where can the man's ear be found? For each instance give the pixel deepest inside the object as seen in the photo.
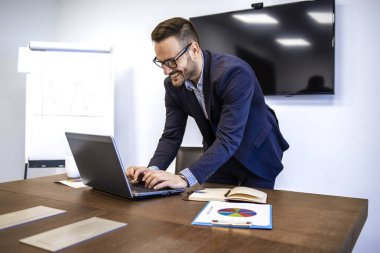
(195, 49)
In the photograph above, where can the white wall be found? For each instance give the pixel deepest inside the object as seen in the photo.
(333, 138)
(20, 22)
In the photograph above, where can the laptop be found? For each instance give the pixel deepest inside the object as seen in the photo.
(101, 168)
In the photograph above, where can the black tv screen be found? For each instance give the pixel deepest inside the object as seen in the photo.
(290, 47)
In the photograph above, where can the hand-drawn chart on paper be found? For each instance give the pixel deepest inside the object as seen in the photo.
(66, 91)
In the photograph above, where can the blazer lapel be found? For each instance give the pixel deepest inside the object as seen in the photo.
(207, 83)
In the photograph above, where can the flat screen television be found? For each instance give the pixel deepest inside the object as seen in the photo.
(290, 47)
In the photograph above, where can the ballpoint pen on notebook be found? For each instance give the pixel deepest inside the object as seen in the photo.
(231, 223)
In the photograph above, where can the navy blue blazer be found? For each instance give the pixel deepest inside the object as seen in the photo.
(240, 124)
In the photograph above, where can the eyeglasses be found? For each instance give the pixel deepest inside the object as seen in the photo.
(171, 63)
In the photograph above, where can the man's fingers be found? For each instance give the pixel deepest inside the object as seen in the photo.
(134, 172)
(130, 172)
(146, 176)
(151, 178)
(138, 172)
(161, 185)
(158, 179)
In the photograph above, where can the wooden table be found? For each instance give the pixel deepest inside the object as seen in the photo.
(301, 222)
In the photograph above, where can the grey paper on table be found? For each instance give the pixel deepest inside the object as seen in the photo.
(27, 215)
(71, 234)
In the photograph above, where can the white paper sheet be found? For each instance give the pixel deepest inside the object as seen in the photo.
(27, 215)
(74, 233)
(74, 183)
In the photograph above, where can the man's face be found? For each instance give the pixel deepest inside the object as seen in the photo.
(185, 69)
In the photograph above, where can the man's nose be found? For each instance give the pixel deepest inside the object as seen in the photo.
(167, 70)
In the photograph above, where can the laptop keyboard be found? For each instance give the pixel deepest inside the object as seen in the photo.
(140, 187)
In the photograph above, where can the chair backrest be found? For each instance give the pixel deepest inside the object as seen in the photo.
(186, 156)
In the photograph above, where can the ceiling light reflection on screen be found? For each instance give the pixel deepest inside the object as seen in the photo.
(293, 42)
(256, 18)
(322, 17)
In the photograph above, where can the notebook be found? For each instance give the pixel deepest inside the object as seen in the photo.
(101, 168)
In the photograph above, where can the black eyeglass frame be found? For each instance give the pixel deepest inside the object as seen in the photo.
(171, 62)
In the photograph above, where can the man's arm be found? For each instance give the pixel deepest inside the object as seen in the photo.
(175, 125)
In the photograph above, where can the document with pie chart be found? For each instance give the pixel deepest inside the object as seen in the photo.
(234, 214)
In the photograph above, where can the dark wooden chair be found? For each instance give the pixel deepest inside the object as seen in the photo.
(186, 156)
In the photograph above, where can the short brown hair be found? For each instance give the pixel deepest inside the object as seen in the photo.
(181, 28)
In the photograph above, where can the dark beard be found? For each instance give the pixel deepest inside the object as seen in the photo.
(188, 73)
(192, 66)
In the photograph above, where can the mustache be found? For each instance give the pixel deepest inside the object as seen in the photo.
(174, 72)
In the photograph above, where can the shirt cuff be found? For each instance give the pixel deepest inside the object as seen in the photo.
(153, 168)
(189, 177)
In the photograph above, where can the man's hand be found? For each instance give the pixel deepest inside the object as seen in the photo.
(136, 173)
(158, 179)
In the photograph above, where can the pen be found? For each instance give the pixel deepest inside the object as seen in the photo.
(225, 195)
(231, 223)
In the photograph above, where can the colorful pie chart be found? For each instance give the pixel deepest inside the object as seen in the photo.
(236, 212)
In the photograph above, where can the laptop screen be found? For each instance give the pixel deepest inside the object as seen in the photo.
(99, 163)
(100, 166)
